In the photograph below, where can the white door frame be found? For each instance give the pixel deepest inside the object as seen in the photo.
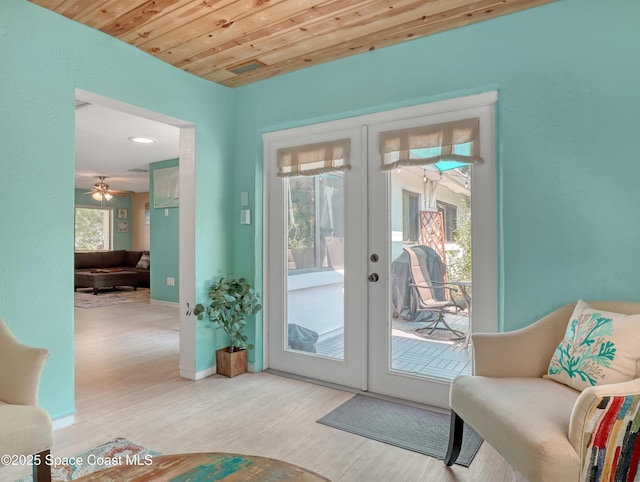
(484, 214)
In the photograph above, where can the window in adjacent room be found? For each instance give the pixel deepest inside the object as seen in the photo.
(93, 229)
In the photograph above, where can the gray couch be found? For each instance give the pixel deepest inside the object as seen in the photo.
(127, 260)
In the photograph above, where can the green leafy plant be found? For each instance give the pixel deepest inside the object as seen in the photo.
(295, 243)
(460, 264)
(231, 301)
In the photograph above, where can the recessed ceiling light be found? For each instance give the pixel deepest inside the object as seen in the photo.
(142, 140)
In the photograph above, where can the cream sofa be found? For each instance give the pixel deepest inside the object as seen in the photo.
(25, 428)
(542, 427)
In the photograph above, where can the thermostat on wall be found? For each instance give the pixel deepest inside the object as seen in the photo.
(245, 216)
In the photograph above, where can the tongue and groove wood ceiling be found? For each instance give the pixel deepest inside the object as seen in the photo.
(237, 42)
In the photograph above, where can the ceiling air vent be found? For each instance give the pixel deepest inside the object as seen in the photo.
(246, 67)
(81, 104)
(138, 169)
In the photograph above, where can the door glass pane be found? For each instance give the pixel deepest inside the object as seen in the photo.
(315, 294)
(430, 289)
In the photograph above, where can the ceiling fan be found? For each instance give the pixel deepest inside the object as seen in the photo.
(101, 192)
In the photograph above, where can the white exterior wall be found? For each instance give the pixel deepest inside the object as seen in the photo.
(409, 181)
(316, 301)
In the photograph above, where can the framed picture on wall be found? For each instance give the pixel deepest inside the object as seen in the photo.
(123, 227)
(147, 214)
(122, 213)
(166, 187)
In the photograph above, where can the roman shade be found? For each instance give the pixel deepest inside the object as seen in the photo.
(447, 145)
(313, 159)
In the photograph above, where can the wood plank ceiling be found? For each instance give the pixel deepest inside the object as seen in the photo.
(237, 42)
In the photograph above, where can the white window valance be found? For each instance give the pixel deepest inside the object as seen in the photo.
(313, 159)
(430, 144)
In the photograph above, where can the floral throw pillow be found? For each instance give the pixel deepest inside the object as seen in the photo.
(598, 348)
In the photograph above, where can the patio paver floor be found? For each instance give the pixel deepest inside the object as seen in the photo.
(433, 357)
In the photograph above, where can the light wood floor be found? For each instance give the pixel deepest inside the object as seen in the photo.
(127, 385)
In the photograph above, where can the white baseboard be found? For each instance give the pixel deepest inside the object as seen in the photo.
(170, 304)
(193, 375)
(63, 422)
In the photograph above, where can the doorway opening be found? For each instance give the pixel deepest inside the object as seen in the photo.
(124, 220)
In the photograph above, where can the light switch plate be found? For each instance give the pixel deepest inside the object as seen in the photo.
(245, 216)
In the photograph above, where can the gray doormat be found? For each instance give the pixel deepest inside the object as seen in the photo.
(404, 426)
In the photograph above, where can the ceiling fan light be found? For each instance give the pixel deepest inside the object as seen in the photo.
(108, 196)
(97, 196)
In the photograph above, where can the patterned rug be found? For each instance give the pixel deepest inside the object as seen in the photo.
(84, 297)
(116, 451)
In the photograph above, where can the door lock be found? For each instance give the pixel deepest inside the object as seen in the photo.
(373, 277)
(374, 258)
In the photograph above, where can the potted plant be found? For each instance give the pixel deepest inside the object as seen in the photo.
(231, 301)
(302, 254)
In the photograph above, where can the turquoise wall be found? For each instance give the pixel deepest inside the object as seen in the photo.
(567, 119)
(44, 58)
(120, 240)
(164, 243)
(567, 75)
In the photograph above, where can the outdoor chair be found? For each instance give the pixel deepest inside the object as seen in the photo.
(25, 428)
(425, 298)
(538, 397)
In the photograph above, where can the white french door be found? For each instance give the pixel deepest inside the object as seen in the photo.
(316, 229)
(417, 382)
(335, 293)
